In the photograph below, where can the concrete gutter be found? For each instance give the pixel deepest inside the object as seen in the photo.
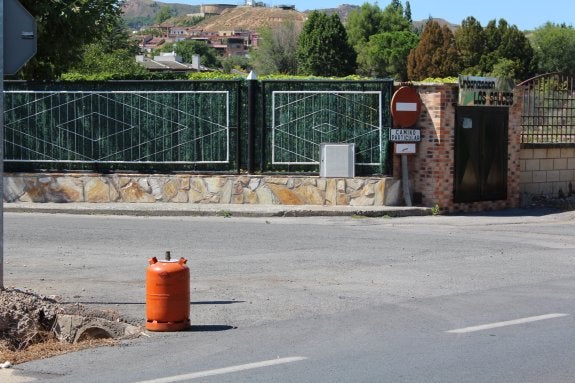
(74, 328)
(224, 210)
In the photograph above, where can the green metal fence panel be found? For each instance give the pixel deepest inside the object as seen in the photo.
(194, 125)
(299, 116)
(186, 125)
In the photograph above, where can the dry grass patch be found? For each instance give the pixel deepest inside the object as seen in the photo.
(47, 348)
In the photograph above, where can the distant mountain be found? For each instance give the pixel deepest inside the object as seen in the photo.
(250, 18)
(420, 24)
(342, 11)
(139, 13)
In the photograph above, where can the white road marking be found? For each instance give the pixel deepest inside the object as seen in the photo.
(225, 370)
(506, 323)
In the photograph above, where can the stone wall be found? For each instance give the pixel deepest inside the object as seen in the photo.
(287, 190)
(547, 171)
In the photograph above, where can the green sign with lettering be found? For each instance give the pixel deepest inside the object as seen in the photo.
(485, 91)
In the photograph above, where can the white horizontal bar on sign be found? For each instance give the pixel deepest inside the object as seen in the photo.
(406, 107)
(404, 148)
(506, 323)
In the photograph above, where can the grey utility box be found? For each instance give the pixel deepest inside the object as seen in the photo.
(337, 160)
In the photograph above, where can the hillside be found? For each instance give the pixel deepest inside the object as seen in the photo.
(418, 25)
(250, 18)
(138, 13)
(342, 11)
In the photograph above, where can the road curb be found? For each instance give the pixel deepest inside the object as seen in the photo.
(213, 210)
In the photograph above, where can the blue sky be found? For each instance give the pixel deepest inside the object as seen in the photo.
(526, 14)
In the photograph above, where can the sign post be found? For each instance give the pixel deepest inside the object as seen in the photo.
(2, 145)
(18, 39)
(405, 110)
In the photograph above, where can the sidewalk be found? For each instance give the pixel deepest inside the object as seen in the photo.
(162, 209)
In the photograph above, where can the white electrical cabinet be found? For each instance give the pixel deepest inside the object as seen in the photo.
(337, 160)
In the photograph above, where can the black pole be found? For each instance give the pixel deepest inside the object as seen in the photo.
(2, 144)
(252, 89)
(239, 85)
(263, 127)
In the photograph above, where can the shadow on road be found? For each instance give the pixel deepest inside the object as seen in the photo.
(523, 212)
(215, 302)
(210, 328)
(193, 303)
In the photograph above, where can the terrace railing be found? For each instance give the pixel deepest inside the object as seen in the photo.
(548, 115)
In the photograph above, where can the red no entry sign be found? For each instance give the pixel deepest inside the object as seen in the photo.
(405, 107)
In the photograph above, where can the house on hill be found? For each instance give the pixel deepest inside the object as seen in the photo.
(225, 42)
(168, 62)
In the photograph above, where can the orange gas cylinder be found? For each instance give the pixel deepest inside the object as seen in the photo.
(167, 295)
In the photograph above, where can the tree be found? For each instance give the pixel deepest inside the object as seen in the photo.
(554, 47)
(237, 63)
(516, 47)
(369, 26)
(277, 52)
(187, 48)
(470, 41)
(407, 12)
(164, 14)
(386, 54)
(63, 29)
(98, 64)
(362, 23)
(393, 18)
(504, 43)
(323, 48)
(110, 58)
(493, 33)
(117, 37)
(505, 68)
(435, 54)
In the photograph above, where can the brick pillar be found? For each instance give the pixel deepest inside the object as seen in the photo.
(431, 169)
(514, 150)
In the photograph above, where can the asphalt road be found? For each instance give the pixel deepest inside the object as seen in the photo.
(482, 298)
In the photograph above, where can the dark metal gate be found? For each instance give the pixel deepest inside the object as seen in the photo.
(548, 115)
(481, 154)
